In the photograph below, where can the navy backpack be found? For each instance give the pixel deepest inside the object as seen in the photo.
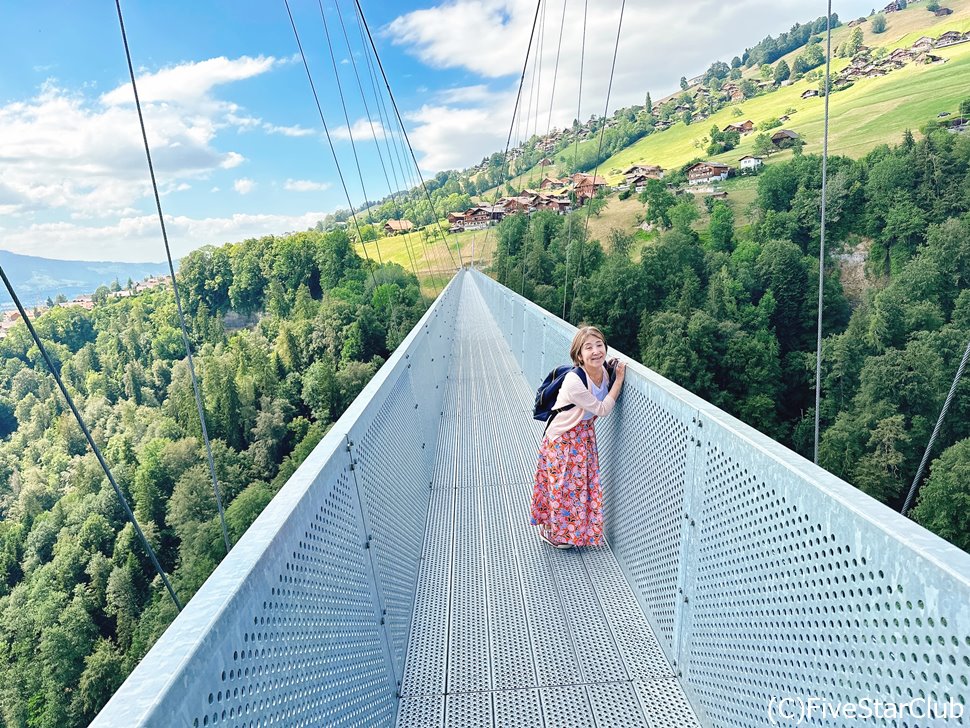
(548, 391)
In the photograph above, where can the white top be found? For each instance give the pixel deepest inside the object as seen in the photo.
(599, 392)
(573, 392)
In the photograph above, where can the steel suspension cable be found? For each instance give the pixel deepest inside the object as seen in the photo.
(432, 252)
(555, 75)
(405, 133)
(599, 149)
(936, 429)
(350, 131)
(384, 118)
(515, 110)
(579, 116)
(537, 86)
(326, 129)
(821, 239)
(87, 434)
(175, 288)
(373, 131)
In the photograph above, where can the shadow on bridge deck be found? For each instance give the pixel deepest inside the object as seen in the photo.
(508, 631)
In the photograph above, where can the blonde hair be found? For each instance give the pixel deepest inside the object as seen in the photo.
(584, 332)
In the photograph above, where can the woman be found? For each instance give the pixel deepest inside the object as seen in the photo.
(567, 500)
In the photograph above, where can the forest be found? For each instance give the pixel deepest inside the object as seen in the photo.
(728, 311)
(285, 332)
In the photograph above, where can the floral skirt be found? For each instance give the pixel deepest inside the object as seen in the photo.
(567, 498)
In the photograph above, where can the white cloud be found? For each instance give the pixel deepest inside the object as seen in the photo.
(290, 131)
(305, 185)
(231, 160)
(363, 130)
(437, 128)
(189, 83)
(68, 153)
(477, 93)
(139, 239)
(244, 185)
(488, 38)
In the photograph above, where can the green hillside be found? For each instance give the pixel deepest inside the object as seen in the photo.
(871, 112)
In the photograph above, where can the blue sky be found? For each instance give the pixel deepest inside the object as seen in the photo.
(236, 138)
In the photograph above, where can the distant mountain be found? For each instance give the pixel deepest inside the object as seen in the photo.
(37, 279)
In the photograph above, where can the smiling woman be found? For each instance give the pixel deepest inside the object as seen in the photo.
(567, 500)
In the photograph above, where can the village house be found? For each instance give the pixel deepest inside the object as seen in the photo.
(586, 186)
(749, 161)
(456, 221)
(892, 7)
(951, 37)
(393, 227)
(545, 162)
(477, 218)
(943, 12)
(809, 93)
(901, 55)
(924, 59)
(556, 203)
(742, 127)
(784, 137)
(550, 183)
(643, 171)
(703, 172)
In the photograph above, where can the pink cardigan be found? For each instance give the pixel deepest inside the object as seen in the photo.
(573, 392)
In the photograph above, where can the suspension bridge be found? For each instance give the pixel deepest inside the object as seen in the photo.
(395, 580)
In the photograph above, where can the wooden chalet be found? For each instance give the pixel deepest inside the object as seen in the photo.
(784, 137)
(809, 93)
(551, 183)
(643, 172)
(742, 127)
(586, 186)
(707, 172)
(456, 220)
(393, 227)
(951, 37)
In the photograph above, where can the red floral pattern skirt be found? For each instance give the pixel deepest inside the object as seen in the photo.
(567, 499)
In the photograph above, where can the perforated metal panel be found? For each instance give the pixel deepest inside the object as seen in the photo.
(764, 576)
(833, 606)
(392, 474)
(305, 621)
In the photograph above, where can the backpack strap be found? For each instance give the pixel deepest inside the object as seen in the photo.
(582, 375)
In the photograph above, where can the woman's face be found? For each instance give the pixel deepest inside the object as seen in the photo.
(593, 351)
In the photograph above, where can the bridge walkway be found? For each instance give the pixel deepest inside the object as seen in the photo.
(508, 631)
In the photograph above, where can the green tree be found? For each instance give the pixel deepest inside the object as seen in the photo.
(854, 43)
(878, 23)
(722, 227)
(762, 145)
(782, 72)
(943, 505)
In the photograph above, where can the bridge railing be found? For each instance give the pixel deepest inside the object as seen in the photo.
(305, 622)
(772, 584)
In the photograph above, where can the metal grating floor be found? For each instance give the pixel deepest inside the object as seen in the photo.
(508, 631)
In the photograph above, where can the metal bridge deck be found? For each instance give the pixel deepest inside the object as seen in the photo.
(508, 631)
